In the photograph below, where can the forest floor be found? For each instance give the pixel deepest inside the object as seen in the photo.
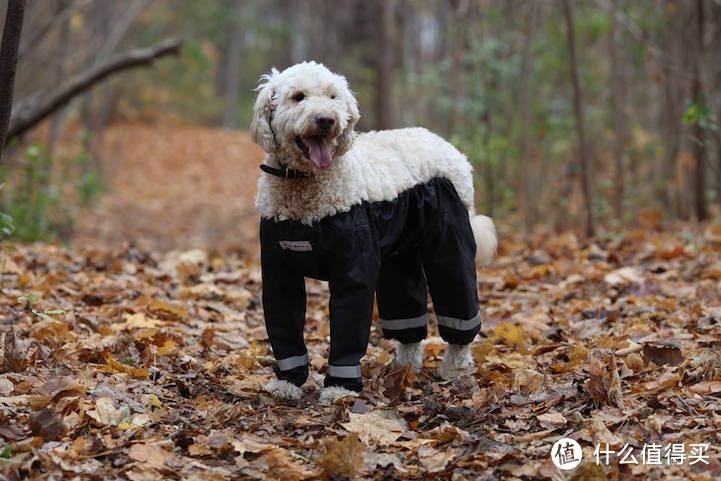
(147, 361)
(175, 187)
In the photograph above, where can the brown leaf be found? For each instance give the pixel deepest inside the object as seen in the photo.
(706, 387)
(112, 365)
(381, 427)
(604, 384)
(634, 362)
(344, 456)
(588, 471)
(206, 338)
(280, 467)
(150, 455)
(47, 424)
(527, 381)
(55, 389)
(6, 387)
(662, 353)
(168, 311)
(396, 380)
(552, 419)
(14, 356)
(667, 381)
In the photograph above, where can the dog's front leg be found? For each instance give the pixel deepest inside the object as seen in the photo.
(351, 310)
(284, 309)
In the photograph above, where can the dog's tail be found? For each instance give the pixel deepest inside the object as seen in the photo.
(485, 234)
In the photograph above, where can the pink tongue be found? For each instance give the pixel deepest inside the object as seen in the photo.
(319, 152)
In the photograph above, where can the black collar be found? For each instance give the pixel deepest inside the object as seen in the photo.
(285, 172)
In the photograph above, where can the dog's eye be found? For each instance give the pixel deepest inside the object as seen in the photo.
(332, 96)
(298, 97)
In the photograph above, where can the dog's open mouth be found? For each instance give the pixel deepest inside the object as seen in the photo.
(317, 148)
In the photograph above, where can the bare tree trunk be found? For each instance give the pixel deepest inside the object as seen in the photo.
(8, 63)
(232, 72)
(458, 20)
(62, 53)
(697, 131)
(529, 210)
(619, 124)
(718, 165)
(580, 122)
(671, 120)
(384, 87)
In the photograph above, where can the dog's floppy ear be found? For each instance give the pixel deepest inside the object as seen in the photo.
(345, 140)
(260, 129)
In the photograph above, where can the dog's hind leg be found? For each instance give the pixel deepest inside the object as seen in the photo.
(448, 255)
(402, 304)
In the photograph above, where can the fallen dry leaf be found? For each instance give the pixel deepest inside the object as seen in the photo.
(376, 426)
(604, 383)
(552, 420)
(107, 414)
(150, 455)
(343, 456)
(706, 387)
(47, 424)
(663, 353)
(624, 275)
(113, 365)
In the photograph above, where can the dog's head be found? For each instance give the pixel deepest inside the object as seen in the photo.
(305, 115)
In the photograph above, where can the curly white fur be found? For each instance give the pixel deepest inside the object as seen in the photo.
(458, 356)
(410, 354)
(283, 389)
(371, 166)
(330, 395)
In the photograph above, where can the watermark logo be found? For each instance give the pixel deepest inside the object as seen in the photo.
(566, 453)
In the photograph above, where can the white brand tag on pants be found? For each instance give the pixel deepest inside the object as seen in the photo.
(300, 246)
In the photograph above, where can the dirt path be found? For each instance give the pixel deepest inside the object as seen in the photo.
(176, 187)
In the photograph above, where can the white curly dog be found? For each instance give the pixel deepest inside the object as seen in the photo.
(318, 167)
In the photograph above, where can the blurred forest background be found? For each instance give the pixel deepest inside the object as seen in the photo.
(604, 124)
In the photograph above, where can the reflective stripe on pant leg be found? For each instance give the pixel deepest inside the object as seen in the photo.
(350, 372)
(458, 331)
(460, 324)
(398, 324)
(292, 362)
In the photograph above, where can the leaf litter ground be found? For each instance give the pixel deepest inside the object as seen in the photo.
(124, 364)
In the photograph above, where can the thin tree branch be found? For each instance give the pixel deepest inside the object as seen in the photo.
(29, 114)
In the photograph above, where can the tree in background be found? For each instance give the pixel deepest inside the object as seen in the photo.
(583, 152)
(617, 106)
(384, 70)
(8, 63)
(697, 134)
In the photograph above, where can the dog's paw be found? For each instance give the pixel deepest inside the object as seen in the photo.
(283, 389)
(410, 354)
(330, 395)
(456, 360)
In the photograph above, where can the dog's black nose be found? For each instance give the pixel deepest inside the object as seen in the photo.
(324, 122)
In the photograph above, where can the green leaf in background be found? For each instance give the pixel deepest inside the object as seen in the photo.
(7, 451)
(7, 224)
(698, 113)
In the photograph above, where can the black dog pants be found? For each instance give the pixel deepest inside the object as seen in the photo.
(385, 246)
(436, 248)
